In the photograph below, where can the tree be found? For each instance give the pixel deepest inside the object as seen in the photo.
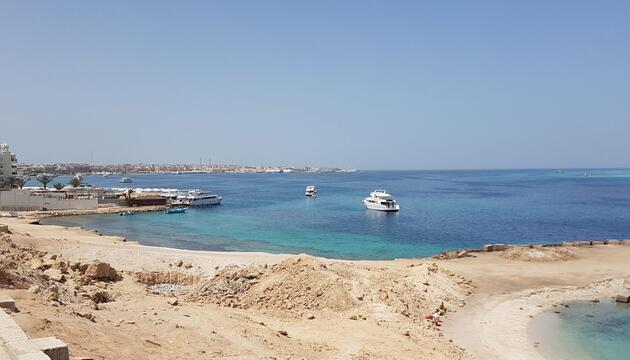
(20, 182)
(76, 181)
(58, 186)
(128, 198)
(45, 179)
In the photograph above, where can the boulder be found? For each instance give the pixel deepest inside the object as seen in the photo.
(4, 229)
(52, 293)
(488, 248)
(54, 275)
(622, 299)
(101, 271)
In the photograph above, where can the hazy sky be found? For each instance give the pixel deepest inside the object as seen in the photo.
(365, 84)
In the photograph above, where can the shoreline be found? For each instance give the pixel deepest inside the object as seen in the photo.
(490, 322)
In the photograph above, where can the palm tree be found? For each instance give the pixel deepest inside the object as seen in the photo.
(58, 186)
(45, 179)
(76, 181)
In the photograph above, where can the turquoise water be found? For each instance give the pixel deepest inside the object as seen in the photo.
(584, 331)
(439, 210)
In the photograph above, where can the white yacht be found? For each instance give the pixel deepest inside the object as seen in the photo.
(197, 198)
(310, 191)
(126, 180)
(381, 200)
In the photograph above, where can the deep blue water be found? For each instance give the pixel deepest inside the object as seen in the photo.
(585, 331)
(439, 210)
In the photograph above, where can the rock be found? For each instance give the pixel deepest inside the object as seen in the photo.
(52, 293)
(50, 256)
(597, 242)
(101, 271)
(283, 332)
(173, 302)
(567, 244)
(354, 317)
(4, 229)
(188, 265)
(36, 264)
(488, 248)
(60, 265)
(622, 299)
(75, 265)
(613, 242)
(462, 254)
(35, 289)
(54, 275)
(179, 263)
(310, 316)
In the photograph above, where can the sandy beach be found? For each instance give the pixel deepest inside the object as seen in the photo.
(258, 305)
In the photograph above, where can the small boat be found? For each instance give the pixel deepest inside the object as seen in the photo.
(178, 210)
(381, 200)
(126, 213)
(126, 180)
(310, 191)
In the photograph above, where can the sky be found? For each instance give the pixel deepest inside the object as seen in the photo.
(361, 84)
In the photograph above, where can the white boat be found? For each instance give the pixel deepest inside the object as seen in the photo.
(310, 191)
(196, 198)
(125, 180)
(381, 200)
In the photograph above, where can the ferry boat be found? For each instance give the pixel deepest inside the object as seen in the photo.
(310, 191)
(196, 198)
(381, 200)
(126, 180)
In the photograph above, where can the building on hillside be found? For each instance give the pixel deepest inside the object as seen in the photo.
(8, 163)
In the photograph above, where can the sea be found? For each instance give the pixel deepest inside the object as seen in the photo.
(440, 210)
(584, 331)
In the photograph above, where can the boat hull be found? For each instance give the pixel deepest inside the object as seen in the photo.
(380, 207)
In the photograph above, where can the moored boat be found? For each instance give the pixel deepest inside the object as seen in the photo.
(380, 200)
(178, 210)
(197, 198)
(310, 191)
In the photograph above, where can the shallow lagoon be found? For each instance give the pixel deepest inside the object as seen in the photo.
(583, 331)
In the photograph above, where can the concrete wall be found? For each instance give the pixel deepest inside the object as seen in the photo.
(24, 200)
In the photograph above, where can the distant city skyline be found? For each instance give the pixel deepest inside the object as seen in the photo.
(355, 84)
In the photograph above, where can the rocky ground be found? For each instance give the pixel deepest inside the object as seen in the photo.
(302, 307)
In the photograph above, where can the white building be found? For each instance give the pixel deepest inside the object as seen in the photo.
(8, 163)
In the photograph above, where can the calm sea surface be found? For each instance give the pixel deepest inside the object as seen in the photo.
(439, 210)
(585, 331)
